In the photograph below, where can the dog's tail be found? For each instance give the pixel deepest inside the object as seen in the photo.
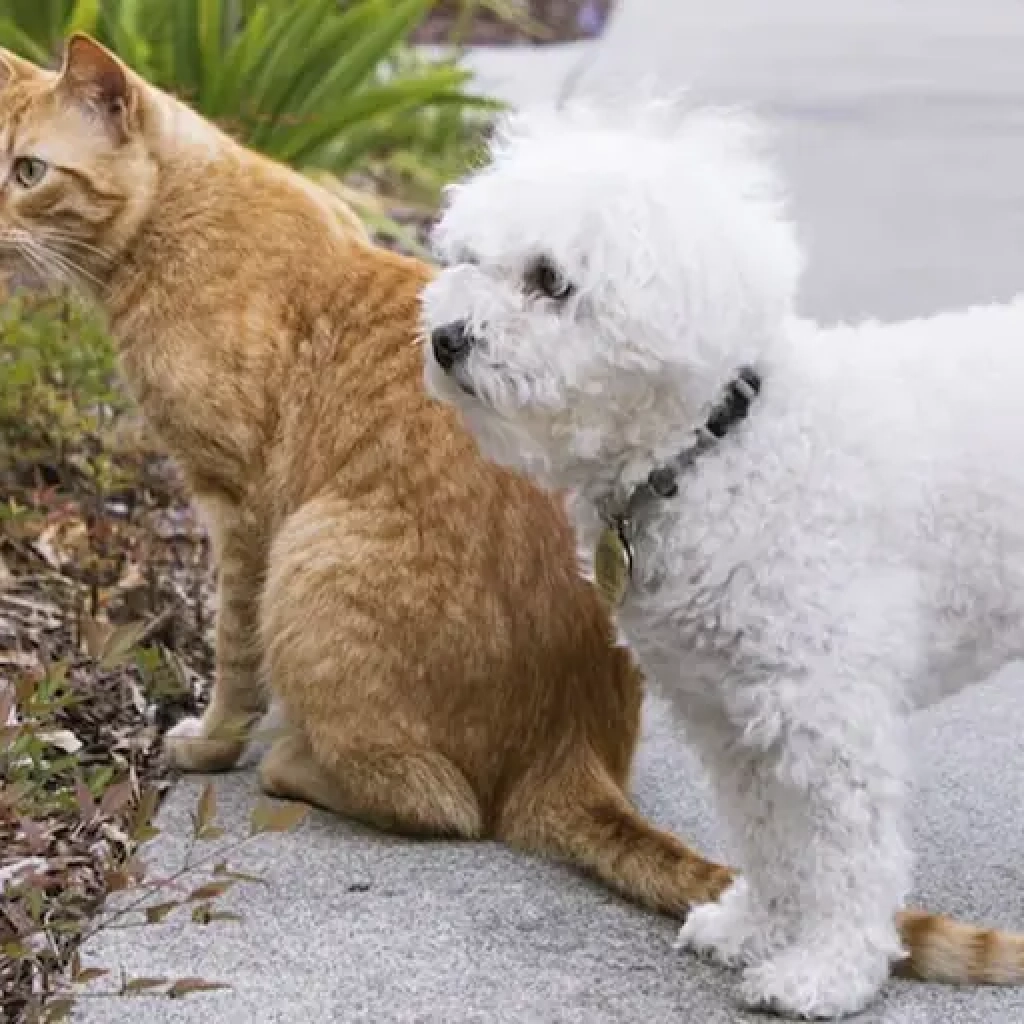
(597, 829)
(941, 949)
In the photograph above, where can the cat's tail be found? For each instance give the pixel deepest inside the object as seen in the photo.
(941, 949)
(597, 829)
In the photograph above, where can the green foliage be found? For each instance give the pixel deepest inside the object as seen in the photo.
(315, 84)
(36, 28)
(58, 374)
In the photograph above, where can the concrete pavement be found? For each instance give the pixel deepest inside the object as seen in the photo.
(360, 928)
(899, 125)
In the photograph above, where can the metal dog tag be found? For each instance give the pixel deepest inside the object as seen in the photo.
(613, 565)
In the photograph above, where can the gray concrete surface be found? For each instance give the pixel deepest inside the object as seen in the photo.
(451, 933)
(901, 127)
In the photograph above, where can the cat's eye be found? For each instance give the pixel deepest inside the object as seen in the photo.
(29, 171)
(546, 279)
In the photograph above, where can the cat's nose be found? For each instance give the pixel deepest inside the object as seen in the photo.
(451, 342)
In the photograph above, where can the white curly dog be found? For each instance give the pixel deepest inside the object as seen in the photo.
(808, 532)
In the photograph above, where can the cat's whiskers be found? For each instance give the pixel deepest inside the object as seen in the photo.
(68, 269)
(42, 261)
(61, 238)
(23, 246)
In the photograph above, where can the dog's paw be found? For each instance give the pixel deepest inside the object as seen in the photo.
(194, 747)
(815, 983)
(730, 932)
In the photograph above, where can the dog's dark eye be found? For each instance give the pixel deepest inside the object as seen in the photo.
(463, 258)
(546, 279)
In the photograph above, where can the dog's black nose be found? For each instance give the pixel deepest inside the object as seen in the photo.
(451, 342)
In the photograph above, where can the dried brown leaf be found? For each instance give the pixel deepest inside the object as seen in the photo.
(121, 642)
(88, 974)
(142, 984)
(206, 808)
(95, 635)
(142, 828)
(205, 914)
(36, 836)
(185, 986)
(276, 817)
(158, 911)
(58, 1010)
(210, 891)
(7, 699)
(116, 881)
(221, 870)
(116, 798)
(84, 799)
(6, 576)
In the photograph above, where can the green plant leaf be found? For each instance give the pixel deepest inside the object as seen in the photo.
(20, 41)
(84, 17)
(437, 87)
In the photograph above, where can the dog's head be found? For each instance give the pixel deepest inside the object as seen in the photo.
(602, 283)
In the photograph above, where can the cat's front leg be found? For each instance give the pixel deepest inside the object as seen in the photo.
(239, 699)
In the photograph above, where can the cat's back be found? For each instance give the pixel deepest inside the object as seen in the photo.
(357, 421)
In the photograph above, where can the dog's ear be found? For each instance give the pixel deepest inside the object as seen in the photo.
(93, 77)
(13, 68)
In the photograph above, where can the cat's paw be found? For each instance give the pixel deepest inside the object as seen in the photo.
(731, 931)
(816, 982)
(194, 747)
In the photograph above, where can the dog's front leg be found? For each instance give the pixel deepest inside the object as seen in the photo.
(812, 782)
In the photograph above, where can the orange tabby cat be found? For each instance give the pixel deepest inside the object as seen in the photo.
(417, 611)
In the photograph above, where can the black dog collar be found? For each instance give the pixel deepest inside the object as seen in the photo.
(613, 558)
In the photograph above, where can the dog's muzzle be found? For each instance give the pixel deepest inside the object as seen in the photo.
(451, 344)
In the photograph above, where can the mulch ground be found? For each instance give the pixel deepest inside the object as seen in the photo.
(104, 641)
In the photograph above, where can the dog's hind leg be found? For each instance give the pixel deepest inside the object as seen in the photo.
(584, 818)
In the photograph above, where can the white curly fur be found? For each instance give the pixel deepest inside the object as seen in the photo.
(855, 548)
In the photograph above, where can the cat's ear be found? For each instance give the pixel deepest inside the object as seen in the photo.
(12, 68)
(94, 77)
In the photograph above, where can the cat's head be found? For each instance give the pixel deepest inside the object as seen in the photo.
(76, 172)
